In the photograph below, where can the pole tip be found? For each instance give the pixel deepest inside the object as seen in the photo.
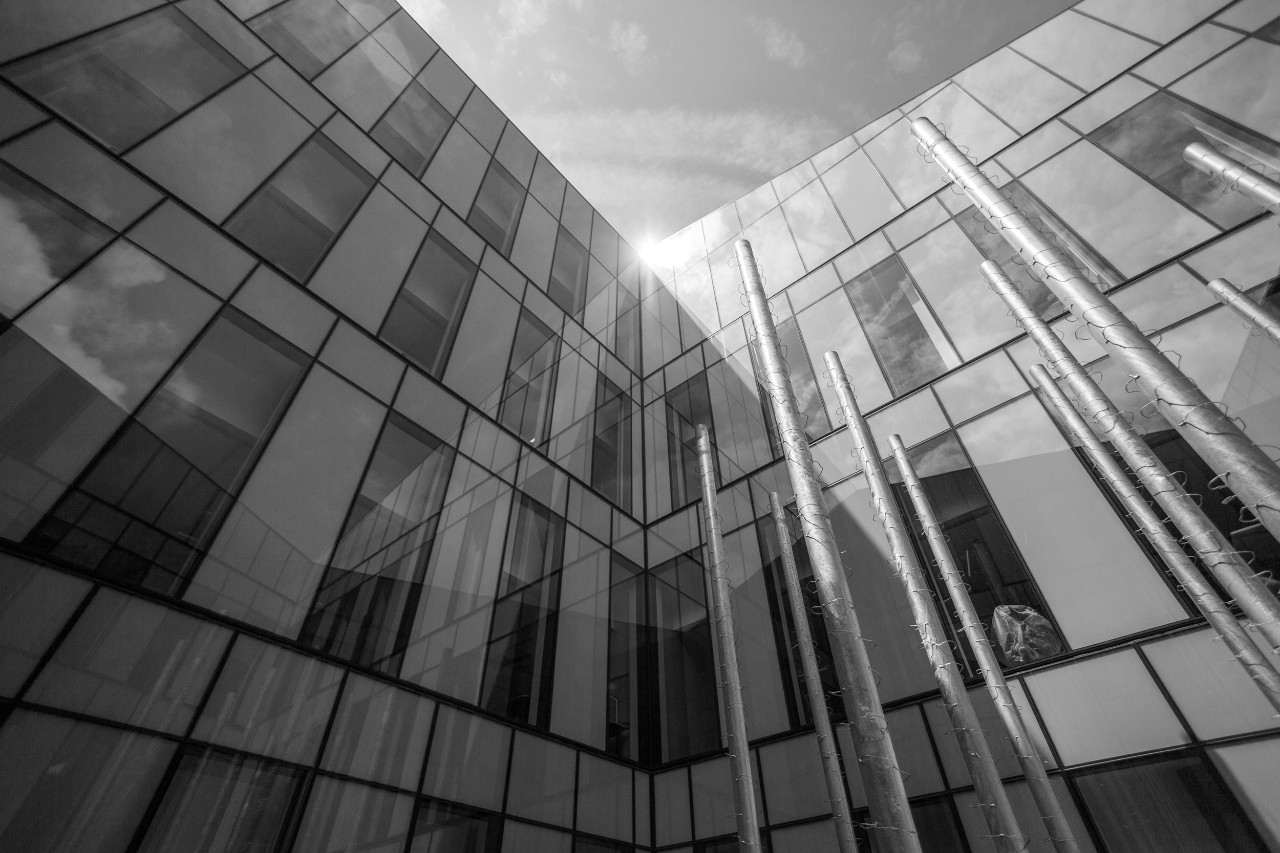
(1040, 374)
(832, 358)
(742, 243)
(991, 271)
(1196, 151)
(895, 442)
(926, 131)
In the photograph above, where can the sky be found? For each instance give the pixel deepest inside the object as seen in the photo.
(660, 111)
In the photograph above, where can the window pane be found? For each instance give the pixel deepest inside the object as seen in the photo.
(1240, 84)
(966, 121)
(364, 82)
(604, 798)
(443, 828)
(568, 283)
(344, 816)
(218, 801)
(542, 780)
(457, 169)
(309, 34)
(133, 661)
(476, 744)
(193, 248)
(157, 494)
(793, 780)
(75, 786)
(413, 128)
(424, 317)
(980, 386)
(1151, 137)
(526, 405)
(775, 250)
(271, 701)
(520, 837)
(497, 209)
(1177, 805)
(35, 603)
(380, 733)
(41, 240)
(1018, 90)
(1081, 49)
(365, 604)
(1028, 815)
(686, 693)
(294, 218)
(125, 82)
(817, 228)
(1250, 770)
(861, 194)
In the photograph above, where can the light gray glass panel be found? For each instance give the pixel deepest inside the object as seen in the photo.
(756, 203)
(271, 701)
(285, 308)
(1157, 19)
(1106, 103)
(818, 231)
(1245, 258)
(1252, 770)
(861, 195)
(1134, 225)
(1103, 707)
(133, 661)
(967, 122)
(793, 179)
(697, 297)
(1217, 698)
(483, 119)
(465, 741)
(457, 169)
(193, 248)
(214, 156)
(406, 41)
(1029, 151)
(380, 733)
(32, 24)
(1083, 50)
(35, 603)
(535, 242)
(833, 153)
(446, 82)
(775, 251)
(75, 786)
(1186, 53)
(915, 418)
(517, 153)
(979, 386)
(1248, 15)
(542, 780)
(364, 82)
(894, 153)
(921, 219)
(719, 227)
(1099, 585)
(578, 697)
(1163, 297)
(1016, 89)
(347, 816)
(577, 215)
(758, 653)
(793, 782)
(290, 85)
(477, 365)
(270, 552)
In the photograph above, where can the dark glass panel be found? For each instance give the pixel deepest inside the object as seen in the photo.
(983, 551)
(425, 316)
(611, 444)
(531, 379)
(1176, 805)
(413, 128)
(345, 817)
(568, 284)
(935, 822)
(43, 239)
(631, 707)
(293, 219)
(687, 710)
(309, 34)
(518, 676)
(535, 545)
(803, 379)
(153, 499)
(127, 81)
(223, 802)
(687, 405)
(497, 209)
(894, 316)
(994, 247)
(1151, 137)
(443, 828)
(363, 610)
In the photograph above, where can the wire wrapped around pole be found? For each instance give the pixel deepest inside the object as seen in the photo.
(992, 798)
(1264, 318)
(813, 683)
(1241, 465)
(744, 798)
(891, 818)
(1219, 617)
(1234, 175)
(1230, 569)
(1055, 820)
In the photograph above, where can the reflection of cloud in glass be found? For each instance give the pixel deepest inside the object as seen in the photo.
(120, 322)
(27, 273)
(940, 458)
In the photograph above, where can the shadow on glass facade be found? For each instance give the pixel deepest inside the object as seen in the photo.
(347, 462)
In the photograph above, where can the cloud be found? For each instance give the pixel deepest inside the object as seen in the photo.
(905, 56)
(522, 18)
(780, 43)
(631, 44)
(681, 163)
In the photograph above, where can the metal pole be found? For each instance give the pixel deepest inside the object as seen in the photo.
(1240, 464)
(1231, 570)
(1235, 175)
(744, 797)
(1264, 318)
(813, 684)
(992, 799)
(1219, 617)
(877, 764)
(1055, 820)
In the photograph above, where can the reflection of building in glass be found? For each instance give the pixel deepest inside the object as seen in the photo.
(347, 458)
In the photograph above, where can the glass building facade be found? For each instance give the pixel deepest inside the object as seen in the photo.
(347, 467)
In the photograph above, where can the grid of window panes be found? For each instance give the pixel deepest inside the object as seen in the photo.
(345, 506)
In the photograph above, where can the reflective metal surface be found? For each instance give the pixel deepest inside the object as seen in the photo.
(890, 814)
(730, 681)
(1264, 318)
(1235, 175)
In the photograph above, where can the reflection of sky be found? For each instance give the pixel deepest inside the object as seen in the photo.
(775, 251)
(967, 123)
(120, 322)
(23, 258)
(1081, 49)
(1018, 90)
(818, 231)
(831, 325)
(861, 195)
(894, 152)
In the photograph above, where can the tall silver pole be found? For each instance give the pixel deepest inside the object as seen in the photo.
(1055, 820)
(1236, 175)
(813, 684)
(1242, 466)
(1264, 318)
(744, 797)
(992, 799)
(877, 765)
(1219, 617)
(1231, 570)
